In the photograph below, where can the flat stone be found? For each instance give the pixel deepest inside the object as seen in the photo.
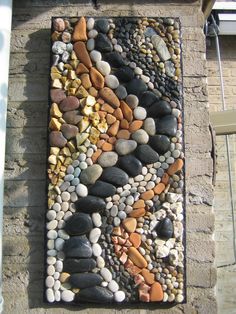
(57, 139)
(80, 30)
(77, 247)
(147, 99)
(125, 147)
(146, 154)
(57, 95)
(160, 143)
(90, 204)
(108, 159)
(136, 87)
(72, 117)
(78, 223)
(115, 176)
(159, 109)
(102, 43)
(165, 228)
(69, 103)
(167, 125)
(69, 131)
(136, 257)
(114, 59)
(124, 74)
(102, 25)
(90, 174)
(103, 67)
(73, 265)
(149, 126)
(86, 280)
(140, 136)
(96, 78)
(161, 48)
(109, 96)
(131, 165)
(82, 53)
(102, 189)
(94, 295)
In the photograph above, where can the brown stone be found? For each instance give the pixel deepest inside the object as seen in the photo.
(138, 204)
(110, 119)
(57, 139)
(80, 30)
(81, 68)
(69, 103)
(175, 167)
(112, 140)
(59, 24)
(126, 110)
(57, 95)
(129, 224)
(107, 147)
(159, 188)
(85, 80)
(135, 239)
(165, 178)
(107, 108)
(72, 117)
(148, 195)
(124, 134)
(69, 131)
(136, 213)
(96, 155)
(149, 277)
(135, 125)
(156, 292)
(96, 78)
(124, 124)
(113, 129)
(136, 257)
(93, 92)
(82, 53)
(109, 96)
(118, 114)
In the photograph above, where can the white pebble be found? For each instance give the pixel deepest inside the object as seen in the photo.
(65, 196)
(140, 113)
(67, 296)
(106, 274)
(50, 295)
(81, 190)
(50, 270)
(51, 214)
(59, 243)
(113, 286)
(94, 235)
(59, 266)
(52, 234)
(97, 220)
(119, 296)
(90, 44)
(97, 250)
(90, 24)
(49, 282)
(57, 295)
(93, 33)
(100, 262)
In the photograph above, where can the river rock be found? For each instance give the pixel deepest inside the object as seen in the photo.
(95, 295)
(107, 159)
(67, 295)
(111, 81)
(114, 59)
(95, 56)
(109, 96)
(121, 92)
(69, 103)
(69, 131)
(80, 30)
(77, 247)
(102, 43)
(57, 95)
(146, 154)
(136, 87)
(115, 176)
(140, 136)
(160, 143)
(132, 101)
(124, 74)
(58, 47)
(74, 265)
(165, 228)
(78, 223)
(103, 67)
(96, 78)
(94, 235)
(167, 125)
(149, 126)
(57, 139)
(125, 147)
(58, 24)
(161, 48)
(90, 174)
(102, 25)
(102, 189)
(82, 53)
(147, 99)
(72, 117)
(159, 109)
(86, 280)
(131, 165)
(90, 204)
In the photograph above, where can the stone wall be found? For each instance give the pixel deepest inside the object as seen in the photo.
(223, 216)
(25, 175)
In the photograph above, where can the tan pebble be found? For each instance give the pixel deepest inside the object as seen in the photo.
(175, 167)
(96, 78)
(124, 124)
(126, 110)
(136, 257)
(118, 114)
(113, 129)
(81, 68)
(96, 155)
(110, 119)
(85, 80)
(124, 134)
(80, 30)
(149, 277)
(136, 213)
(135, 239)
(148, 195)
(107, 147)
(93, 92)
(159, 188)
(138, 204)
(156, 292)
(165, 178)
(135, 125)
(107, 108)
(129, 224)
(64, 277)
(109, 96)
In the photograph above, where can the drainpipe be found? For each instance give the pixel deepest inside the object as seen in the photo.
(5, 34)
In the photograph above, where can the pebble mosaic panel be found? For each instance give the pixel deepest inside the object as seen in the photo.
(115, 217)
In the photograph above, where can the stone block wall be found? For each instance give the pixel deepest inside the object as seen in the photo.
(25, 174)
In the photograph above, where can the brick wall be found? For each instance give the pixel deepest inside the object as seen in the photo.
(25, 185)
